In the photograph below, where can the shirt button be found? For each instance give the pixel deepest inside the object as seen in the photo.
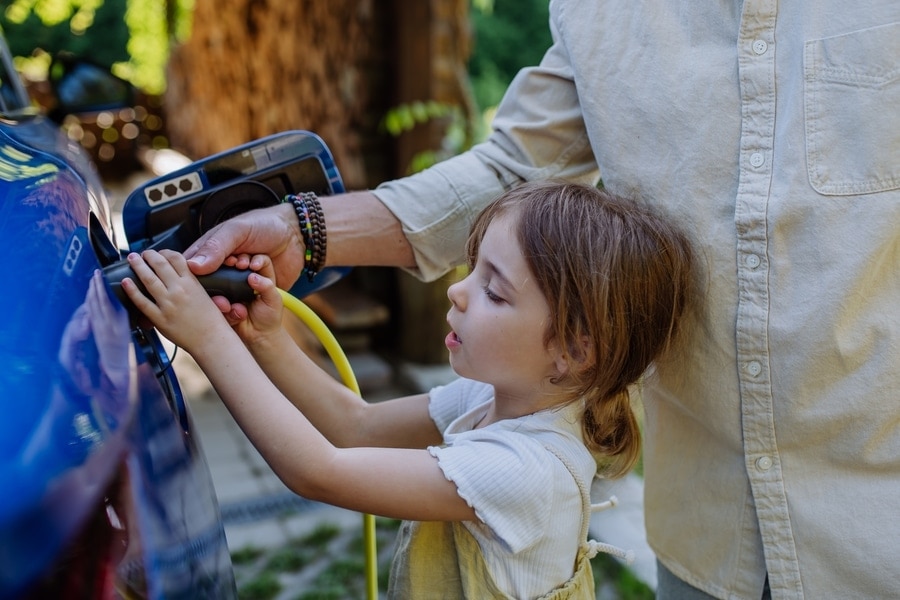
(754, 368)
(752, 260)
(760, 46)
(764, 463)
(757, 159)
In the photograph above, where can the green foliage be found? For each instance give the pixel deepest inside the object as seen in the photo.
(406, 116)
(148, 45)
(485, 6)
(321, 536)
(289, 560)
(338, 580)
(509, 35)
(330, 562)
(332, 566)
(79, 13)
(457, 137)
(130, 36)
(52, 27)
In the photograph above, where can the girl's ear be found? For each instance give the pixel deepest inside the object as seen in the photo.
(561, 363)
(575, 357)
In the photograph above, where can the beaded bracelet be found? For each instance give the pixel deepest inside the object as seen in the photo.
(312, 228)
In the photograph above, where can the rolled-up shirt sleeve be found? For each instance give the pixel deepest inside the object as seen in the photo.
(538, 133)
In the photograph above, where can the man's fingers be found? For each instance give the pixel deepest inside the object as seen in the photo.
(211, 249)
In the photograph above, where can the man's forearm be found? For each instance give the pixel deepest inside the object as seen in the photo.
(363, 232)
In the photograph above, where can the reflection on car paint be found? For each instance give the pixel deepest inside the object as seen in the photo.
(16, 165)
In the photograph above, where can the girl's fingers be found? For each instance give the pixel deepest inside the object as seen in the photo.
(238, 261)
(171, 259)
(145, 272)
(263, 286)
(158, 272)
(262, 264)
(265, 311)
(168, 266)
(140, 301)
(233, 313)
(150, 265)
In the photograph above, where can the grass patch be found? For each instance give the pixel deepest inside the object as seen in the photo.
(263, 587)
(334, 593)
(246, 555)
(289, 559)
(607, 570)
(319, 537)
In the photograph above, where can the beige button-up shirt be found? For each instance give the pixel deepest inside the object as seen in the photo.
(771, 131)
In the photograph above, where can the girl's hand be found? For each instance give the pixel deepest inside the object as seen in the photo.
(264, 315)
(179, 306)
(262, 263)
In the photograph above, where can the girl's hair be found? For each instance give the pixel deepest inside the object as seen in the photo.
(617, 278)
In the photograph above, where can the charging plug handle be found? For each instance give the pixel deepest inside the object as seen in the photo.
(227, 281)
(230, 283)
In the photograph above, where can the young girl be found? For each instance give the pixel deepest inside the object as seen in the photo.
(572, 294)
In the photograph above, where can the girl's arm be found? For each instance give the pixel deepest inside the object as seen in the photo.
(338, 412)
(398, 483)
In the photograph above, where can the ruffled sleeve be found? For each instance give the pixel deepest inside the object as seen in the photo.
(449, 402)
(507, 479)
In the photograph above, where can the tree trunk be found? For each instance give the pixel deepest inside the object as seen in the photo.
(256, 67)
(335, 67)
(433, 40)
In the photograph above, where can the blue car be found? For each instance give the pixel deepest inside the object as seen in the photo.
(105, 493)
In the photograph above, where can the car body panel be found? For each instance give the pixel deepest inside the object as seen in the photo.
(94, 424)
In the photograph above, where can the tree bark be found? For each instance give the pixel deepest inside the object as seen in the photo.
(335, 67)
(256, 67)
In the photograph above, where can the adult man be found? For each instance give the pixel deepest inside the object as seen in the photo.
(770, 130)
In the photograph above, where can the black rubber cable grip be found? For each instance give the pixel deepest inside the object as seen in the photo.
(227, 281)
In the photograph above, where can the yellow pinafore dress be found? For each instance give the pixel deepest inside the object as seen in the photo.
(438, 560)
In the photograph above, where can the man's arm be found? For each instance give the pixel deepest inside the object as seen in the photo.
(363, 232)
(360, 231)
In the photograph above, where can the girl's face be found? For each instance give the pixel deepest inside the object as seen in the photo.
(498, 318)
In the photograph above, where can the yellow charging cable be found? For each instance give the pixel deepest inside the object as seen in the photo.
(337, 356)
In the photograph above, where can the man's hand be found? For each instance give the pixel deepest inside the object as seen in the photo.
(274, 231)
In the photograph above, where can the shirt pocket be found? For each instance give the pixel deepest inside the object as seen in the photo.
(852, 103)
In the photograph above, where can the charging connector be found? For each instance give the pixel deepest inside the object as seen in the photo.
(226, 281)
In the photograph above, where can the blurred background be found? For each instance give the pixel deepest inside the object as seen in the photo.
(390, 86)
